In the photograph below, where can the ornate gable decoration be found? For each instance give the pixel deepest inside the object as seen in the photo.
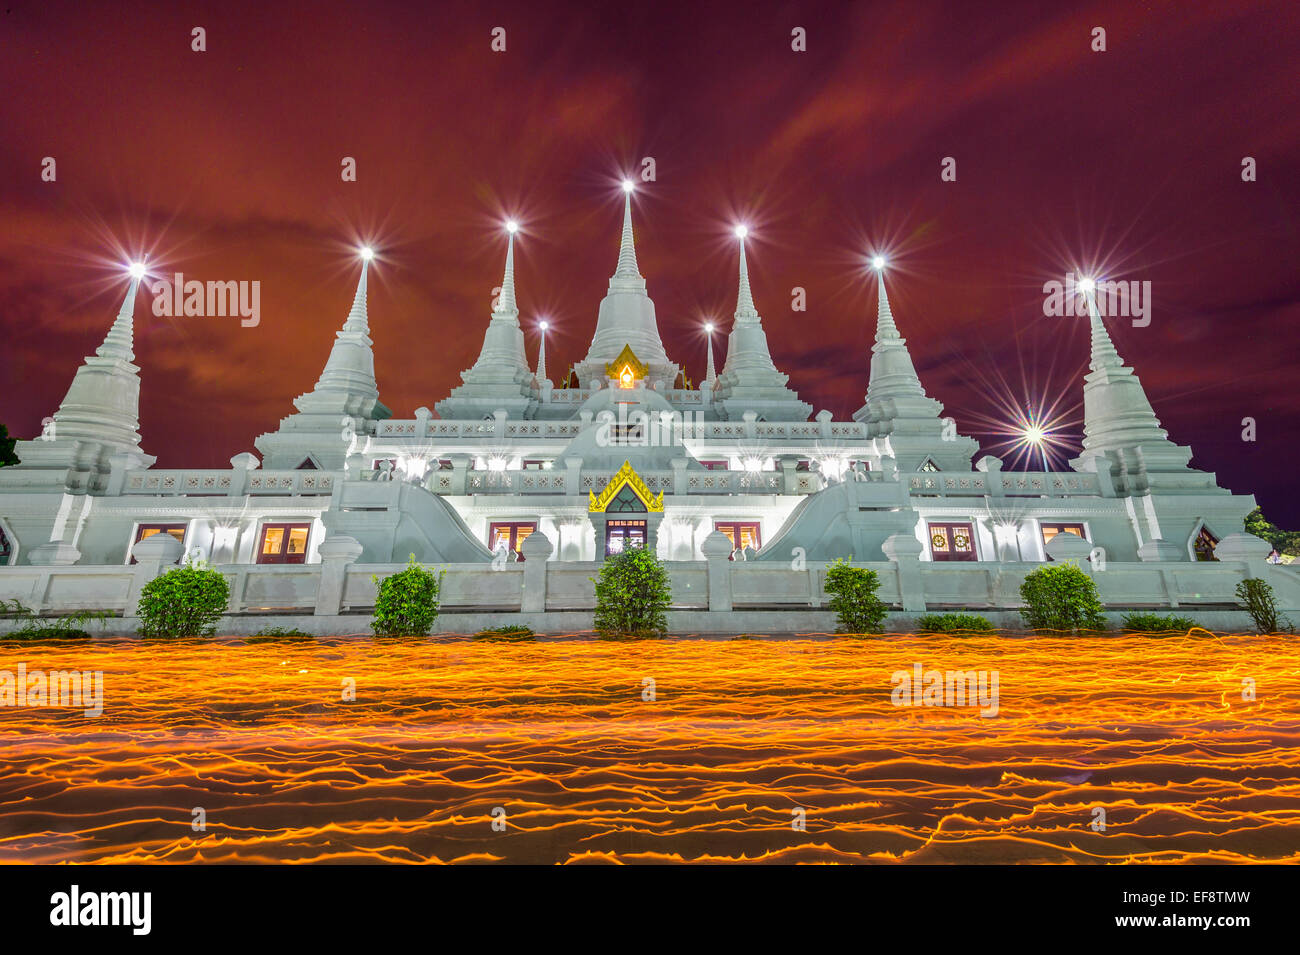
(626, 369)
(626, 477)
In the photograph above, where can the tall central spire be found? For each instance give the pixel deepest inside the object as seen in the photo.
(506, 303)
(627, 266)
(626, 318)
(627, 274)
(744, 298)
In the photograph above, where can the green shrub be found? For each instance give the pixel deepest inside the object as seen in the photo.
(1257, 599)
(508, 632)
(184, 602)
(406, 604)
(68, 626)
(280, 635)
(1060, 596)
(1158, 623)
(632, 594)
(952, 623)
(853, 598)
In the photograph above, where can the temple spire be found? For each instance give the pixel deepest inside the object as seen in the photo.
(896, 406)
(506, 303)
(541, 355)
(744, 298)
(710, 375)
(1118, 420)
(120, 340)
(627, 266)
(892, 373)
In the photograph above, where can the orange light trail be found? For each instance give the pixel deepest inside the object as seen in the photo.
(740, 733)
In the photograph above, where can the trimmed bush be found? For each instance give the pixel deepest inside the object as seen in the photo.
(1060, 596)
(1257, 599)
(953, 623)
(632, 594)
(853, 598)
(184, 602)
(406, 604)
(508, 632)
(280, 635)
(1158, 623)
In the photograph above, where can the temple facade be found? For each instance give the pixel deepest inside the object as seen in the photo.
(624, 452)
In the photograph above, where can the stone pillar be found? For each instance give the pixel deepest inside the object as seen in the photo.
(905, 551)
(336, 553)
(536, 551)
(789, 473)
(154, 556)
(717, 551)
(573, 476)
(680, 479)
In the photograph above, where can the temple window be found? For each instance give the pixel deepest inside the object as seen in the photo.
(928, 466)
(307, 465)
(1204, 544)
(622, 534)
(283, 544)
(509, 535)
(742, 534)
(143, 531)
(623, 433)
(718, 465)
(952, 541)
(1051, 530)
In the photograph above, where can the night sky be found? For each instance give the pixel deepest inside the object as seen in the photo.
(225, 165)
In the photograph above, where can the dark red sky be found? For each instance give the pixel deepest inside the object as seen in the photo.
(225, 165)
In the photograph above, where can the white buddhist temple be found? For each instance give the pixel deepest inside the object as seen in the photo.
(511, 468)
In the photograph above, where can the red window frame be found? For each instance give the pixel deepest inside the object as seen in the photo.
(949, 550)
(282, 555)
(1058, 527)
(715, 465)
(513, 537)
(736, 531)
(148, 530)
(626, 529)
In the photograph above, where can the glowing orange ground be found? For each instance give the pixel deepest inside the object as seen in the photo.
(557, 734)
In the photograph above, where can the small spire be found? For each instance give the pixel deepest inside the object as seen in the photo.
(709, 374)
(627, 266)
(120, 340)
(506, 303)
(745, 298)
(541, 356)
(358, 320)
(885, 327)
(1104, 354)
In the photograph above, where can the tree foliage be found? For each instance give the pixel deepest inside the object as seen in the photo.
(407, 602)
(184, 602)
(7, 443)
(632, 593)
(1286, 542)
(1060, 596)
(853, 598)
